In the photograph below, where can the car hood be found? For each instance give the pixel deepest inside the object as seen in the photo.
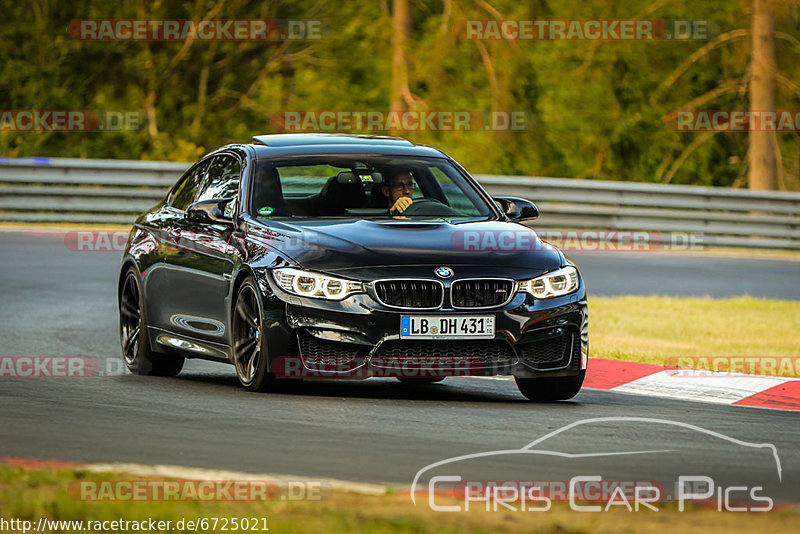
(332, 245)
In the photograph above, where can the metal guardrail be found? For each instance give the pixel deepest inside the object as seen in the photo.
(114, 191)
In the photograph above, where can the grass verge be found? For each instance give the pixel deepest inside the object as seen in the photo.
(660, 329)
(31, 494)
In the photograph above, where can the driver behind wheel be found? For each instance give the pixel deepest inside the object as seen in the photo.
(399, 187)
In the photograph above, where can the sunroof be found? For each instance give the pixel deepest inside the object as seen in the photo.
(282, 140)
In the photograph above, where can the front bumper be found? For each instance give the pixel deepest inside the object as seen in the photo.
(359, 338)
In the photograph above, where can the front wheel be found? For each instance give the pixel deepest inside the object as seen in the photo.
(249, 355)
(139, 359)
(549, 389)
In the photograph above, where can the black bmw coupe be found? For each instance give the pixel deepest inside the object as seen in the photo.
(325, 256)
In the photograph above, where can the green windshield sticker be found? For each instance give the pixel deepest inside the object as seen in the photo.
(266, 210)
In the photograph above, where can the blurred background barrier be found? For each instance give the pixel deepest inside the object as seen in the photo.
(62, 190)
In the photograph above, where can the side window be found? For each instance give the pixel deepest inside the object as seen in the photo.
(185, 193)
(304, 180)
(456, 197)
(221, 180)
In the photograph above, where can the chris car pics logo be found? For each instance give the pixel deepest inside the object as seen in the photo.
(589, 484)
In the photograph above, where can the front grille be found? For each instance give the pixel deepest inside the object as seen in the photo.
(317, 352)
(399, 352)
(481, 293)
(552, 353)
(418, 294)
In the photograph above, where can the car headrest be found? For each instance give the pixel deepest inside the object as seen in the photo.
(341, 195)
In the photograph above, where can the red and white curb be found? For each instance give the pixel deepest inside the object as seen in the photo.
(719, 388)
(652, 380)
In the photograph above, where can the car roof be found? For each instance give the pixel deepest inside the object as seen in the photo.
(329, 139)
(312, 144)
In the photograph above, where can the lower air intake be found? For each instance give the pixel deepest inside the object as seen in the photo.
(552, 353)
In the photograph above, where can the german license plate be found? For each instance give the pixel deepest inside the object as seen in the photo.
(446, 326)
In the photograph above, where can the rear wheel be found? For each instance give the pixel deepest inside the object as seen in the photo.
(549, 389)
(249, 356)
(136, 353)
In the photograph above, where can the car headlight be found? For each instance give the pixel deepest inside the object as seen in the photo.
(554, 284)
(308, 284)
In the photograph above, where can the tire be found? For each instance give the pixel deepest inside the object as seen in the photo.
(248, 344)
(549, 389)
(133, 335)
(418, 381)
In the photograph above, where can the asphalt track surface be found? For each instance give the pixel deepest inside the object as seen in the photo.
(57, 302)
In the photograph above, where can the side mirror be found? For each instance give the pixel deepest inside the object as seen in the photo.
(517, 209)
(209, 211)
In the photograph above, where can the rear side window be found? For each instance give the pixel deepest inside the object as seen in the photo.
(187, 189)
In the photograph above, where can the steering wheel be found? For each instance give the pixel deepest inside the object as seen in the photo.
(428, 206)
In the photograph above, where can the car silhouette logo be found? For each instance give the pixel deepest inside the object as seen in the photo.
(444, 272)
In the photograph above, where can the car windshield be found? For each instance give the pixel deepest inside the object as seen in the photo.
(364, 187)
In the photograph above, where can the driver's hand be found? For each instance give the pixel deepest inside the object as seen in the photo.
(401, 205)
